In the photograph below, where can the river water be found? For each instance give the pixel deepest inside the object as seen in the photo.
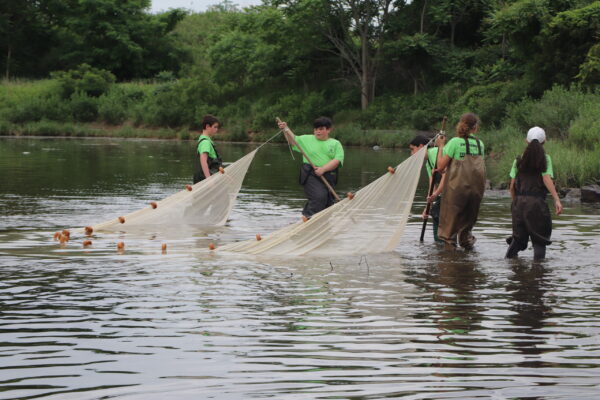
(417, 323)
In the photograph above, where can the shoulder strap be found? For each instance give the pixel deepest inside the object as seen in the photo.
(467, 143)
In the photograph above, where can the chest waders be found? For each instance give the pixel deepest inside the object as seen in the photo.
(530, 216)
(213, 164)
(462, 194)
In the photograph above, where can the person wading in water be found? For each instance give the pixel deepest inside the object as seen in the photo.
(327, 154)
(531, 180)
(207, 160)
(464, 184)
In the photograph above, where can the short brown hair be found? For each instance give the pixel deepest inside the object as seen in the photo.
(210, 121)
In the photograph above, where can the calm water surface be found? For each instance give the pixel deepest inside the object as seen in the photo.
(417, 323)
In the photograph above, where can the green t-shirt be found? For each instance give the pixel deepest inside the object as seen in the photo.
(548, 171)
(431, 160)
(206, 146)
(456, 148)
(320, 152)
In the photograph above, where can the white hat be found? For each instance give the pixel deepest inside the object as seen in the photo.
(536, 133)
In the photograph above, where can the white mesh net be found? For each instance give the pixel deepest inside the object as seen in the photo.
(208, 203)
(372, 221)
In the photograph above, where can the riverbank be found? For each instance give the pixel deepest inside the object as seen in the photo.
(570, 117)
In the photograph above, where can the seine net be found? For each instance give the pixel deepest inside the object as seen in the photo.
(208, 203)
(372, 221)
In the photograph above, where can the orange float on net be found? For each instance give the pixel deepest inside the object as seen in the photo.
(164, 247)
(56, 235)
(391, 170)
(89, 230)
(222, 170)
(188, 187)
(66, 233)
(350, 195)
(120, 246)
(153, 204)
(63, 239)
(258, 236)
(211, 246)
(122, 220)
(87, 243)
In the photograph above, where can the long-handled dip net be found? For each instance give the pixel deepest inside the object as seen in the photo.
(207, 203)
(370, 221)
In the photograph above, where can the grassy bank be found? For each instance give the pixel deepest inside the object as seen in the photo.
(163, 110)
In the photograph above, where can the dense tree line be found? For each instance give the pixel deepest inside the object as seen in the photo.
(403, 63)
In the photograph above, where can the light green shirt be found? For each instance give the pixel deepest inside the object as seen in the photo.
(206, 146)
(320, 152)
(548, 171)
(456, 148)
(431, 160)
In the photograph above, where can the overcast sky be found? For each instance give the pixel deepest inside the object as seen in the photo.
(195, 5)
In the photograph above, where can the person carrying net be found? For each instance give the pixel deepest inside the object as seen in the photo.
(325, 156)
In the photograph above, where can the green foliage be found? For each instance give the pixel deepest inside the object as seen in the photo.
(554, 111)
(85, 79)
(589, 72)
(84, 108)
(584, 131)
(490, 101)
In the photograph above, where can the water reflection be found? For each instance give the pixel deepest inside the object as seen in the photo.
(527, 287)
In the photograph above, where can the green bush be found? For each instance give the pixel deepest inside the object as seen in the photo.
(83, 107)
(554, 112)
(585, 130)
(490, 101)
(86, 79)
(112, 108)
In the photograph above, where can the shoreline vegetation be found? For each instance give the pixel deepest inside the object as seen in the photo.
(571, 118)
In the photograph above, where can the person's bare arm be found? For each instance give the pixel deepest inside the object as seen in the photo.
(550, 186)
(204, 164)
(511, 189)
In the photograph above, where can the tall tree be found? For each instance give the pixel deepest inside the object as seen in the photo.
(356, 30)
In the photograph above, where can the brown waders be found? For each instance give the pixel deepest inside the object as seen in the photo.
(462, 194)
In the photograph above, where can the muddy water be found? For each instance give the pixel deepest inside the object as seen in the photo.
(417, 323)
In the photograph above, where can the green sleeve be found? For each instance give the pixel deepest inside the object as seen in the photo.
(513, 170)
(450, 148)
(205, 146)
(299, 140)
(549, 169)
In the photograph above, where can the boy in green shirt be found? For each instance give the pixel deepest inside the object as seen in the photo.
(327, 155)
(207, 160)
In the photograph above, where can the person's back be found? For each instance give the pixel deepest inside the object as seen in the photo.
(464, 183)
(531, 180)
